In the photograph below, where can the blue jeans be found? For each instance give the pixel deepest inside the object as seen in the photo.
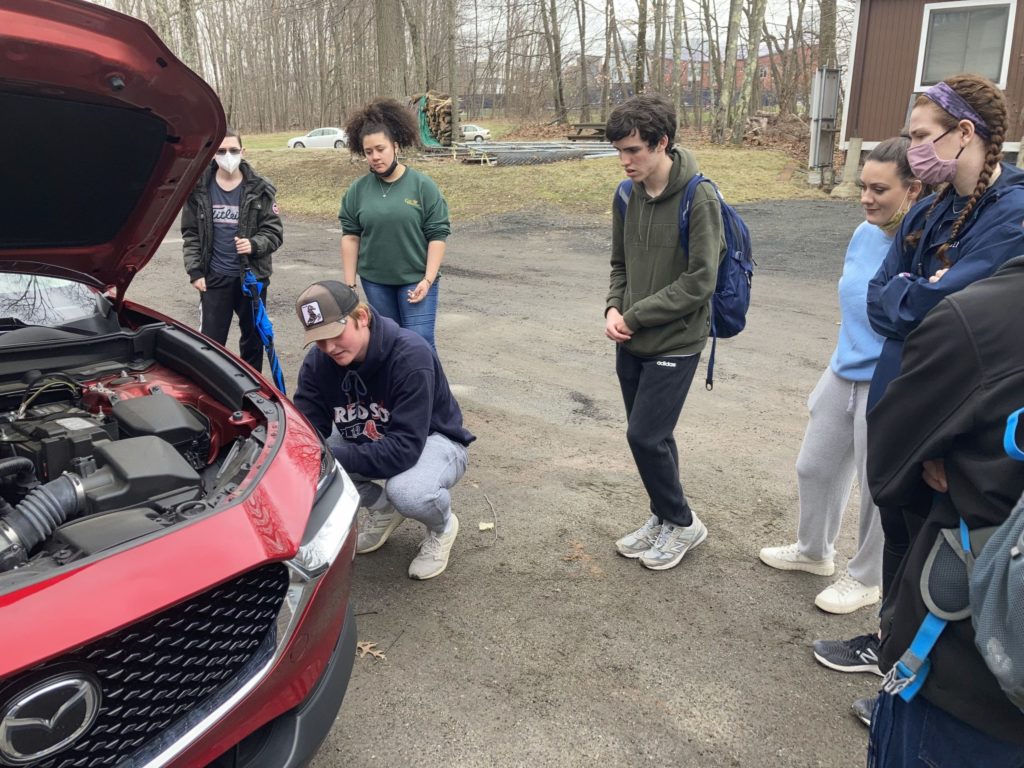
(919, 734)
(393, 301)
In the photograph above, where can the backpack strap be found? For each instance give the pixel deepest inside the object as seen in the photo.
(907, 675)
(1010, 436)
(622, 193)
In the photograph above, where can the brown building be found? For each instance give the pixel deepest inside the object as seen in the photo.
(901, 47)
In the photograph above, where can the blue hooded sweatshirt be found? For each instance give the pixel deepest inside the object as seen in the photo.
(384, 407)
(899, 295)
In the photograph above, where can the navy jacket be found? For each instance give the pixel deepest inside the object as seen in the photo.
(384, 407)
(899, 295)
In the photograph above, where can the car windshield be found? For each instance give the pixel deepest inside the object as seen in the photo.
(38, 300)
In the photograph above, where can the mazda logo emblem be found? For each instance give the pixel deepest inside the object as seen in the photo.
(47, 717)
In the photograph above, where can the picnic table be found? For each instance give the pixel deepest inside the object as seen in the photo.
(586, 132)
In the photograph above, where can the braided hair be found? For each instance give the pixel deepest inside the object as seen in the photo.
(386, 116)
(990, 104)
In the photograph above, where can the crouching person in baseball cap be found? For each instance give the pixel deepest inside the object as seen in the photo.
(399, 429)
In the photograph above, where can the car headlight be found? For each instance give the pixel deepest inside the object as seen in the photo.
(330, 522)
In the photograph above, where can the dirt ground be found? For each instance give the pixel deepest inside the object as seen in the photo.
(540, 646)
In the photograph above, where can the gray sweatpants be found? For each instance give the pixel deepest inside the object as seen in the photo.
(421, 492)
(834, 451)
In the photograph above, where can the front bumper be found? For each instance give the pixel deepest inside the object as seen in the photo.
(291, 740)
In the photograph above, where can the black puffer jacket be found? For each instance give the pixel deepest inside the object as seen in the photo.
(962, 375)
(258, 222)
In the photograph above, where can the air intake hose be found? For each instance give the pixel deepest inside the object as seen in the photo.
(35, 519)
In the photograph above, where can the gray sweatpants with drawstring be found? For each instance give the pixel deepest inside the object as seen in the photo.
(833, 453)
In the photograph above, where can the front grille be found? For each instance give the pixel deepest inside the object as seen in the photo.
(154, 673)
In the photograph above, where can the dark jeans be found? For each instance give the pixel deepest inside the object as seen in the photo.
(654, 390)
(917, 734)
(222, 299)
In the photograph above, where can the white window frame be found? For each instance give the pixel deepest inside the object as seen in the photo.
(929, 8)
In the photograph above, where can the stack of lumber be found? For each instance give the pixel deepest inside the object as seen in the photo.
(438, 111)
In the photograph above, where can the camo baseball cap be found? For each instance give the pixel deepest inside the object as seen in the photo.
(324, 308)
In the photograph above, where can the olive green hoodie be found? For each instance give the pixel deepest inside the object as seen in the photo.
(662, 287)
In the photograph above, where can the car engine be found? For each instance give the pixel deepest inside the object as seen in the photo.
(87, 466)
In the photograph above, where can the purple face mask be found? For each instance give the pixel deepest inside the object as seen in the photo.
(928, 166)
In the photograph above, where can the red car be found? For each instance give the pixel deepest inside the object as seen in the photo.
(176, 542)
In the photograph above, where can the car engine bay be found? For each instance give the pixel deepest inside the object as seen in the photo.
(93, 457)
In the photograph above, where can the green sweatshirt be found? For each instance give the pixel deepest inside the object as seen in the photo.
(663, 287)
(394, 223)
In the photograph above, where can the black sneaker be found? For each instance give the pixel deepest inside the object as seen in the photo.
(860, 654)
(863, 708)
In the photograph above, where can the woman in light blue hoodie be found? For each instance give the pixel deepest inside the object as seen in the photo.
(834, 450)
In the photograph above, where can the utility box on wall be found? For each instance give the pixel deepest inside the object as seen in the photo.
(824, 126)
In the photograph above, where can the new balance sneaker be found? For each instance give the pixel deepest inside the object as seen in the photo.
(433, 556)
(846, 595)
(376, 527)
(860, 654)
(788, 558)
(634, 544)
(672, 543)
(863, 708)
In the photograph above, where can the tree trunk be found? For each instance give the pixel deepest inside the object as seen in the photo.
(189, 36)
(581, 22)
(641, 47)
(549, 18)
(390, 49)
(751, 72)
(723, 114)
(419, 56)
(677, 61)
(827, 34)
(606, 68)
(453, 78)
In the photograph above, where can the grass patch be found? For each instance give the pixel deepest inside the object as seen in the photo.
(310, 182)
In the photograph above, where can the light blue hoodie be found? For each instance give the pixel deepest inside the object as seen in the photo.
(859, 346)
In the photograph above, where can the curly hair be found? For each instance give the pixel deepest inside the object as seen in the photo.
(989, 102)
(650, 115)
(386, 116)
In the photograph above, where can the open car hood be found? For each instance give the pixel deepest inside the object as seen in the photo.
(104, 133)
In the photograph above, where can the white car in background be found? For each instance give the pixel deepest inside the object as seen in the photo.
(472, 132)
(320, 137)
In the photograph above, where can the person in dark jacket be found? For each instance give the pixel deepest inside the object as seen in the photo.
(382, 390)
(230, 224)
(935, 449)
(658, 314)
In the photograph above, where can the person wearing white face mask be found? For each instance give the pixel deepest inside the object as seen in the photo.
(230, 224)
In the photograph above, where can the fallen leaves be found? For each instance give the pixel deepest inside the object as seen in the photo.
(364, 648)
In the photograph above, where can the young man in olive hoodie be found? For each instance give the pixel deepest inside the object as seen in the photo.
(658, 314)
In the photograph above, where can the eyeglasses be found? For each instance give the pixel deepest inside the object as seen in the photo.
(233, 150)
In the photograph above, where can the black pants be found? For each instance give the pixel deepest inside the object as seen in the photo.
(222, 299)
(654, 390)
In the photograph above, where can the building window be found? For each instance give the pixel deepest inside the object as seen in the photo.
(965, 36)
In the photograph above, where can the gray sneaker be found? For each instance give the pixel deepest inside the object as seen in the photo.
(634, 544)
(672, 543)
(377, 526)
(433, 556)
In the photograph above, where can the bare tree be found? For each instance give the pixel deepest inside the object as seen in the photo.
(581, 24)
(751, 71)
(390, 48)
(553, 38)
(723, 114)
(641, 46)
(827, 33)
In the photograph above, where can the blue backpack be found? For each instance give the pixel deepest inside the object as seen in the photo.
(731, 299)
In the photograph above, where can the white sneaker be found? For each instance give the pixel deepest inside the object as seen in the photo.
(788, 558)
(634, 544)
(376, 527)
(433, 556)
(847, 595)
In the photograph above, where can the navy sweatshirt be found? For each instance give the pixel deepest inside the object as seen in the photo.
(385, 406)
